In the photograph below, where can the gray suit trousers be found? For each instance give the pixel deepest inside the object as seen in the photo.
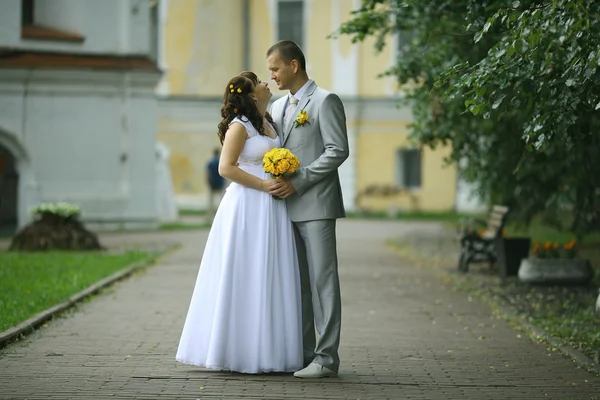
(320, 285)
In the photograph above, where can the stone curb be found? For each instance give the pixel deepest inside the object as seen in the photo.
(30, 324)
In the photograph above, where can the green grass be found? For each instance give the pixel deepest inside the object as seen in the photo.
(566, 313)
(192, 212)
(33, 282)
(574, 324)
(446, 217)
(178, 226)
(543, 233)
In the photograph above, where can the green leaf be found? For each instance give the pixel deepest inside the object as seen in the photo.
(478, 36)
(538, 74)
(498, 102)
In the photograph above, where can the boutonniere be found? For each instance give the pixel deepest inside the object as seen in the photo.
(301, 119)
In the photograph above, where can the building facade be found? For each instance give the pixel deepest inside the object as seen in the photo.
(206, 42)
(78, 108)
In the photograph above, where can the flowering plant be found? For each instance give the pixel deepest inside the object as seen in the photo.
(301, 119)
(61, 209)
(279, 161)
(555, 250)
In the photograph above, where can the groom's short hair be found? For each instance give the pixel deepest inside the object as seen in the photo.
(288, 50)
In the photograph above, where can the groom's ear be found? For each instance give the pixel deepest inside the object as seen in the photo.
(295, 65)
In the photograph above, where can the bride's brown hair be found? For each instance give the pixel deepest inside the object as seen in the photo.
(254, 78)
(237, 102)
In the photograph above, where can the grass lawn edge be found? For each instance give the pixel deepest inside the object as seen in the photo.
(506, 312)
(30, 324)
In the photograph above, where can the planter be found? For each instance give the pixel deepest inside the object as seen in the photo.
(510, 252)
(51, 219)
(55, 232)
(573, 271)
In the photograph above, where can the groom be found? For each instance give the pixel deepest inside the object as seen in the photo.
(312, 124)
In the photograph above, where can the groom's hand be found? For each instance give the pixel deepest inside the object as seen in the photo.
(282, 188)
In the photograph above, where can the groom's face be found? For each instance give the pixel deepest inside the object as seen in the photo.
(281, 73)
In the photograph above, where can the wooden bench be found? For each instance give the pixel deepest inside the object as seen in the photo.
(479, 246)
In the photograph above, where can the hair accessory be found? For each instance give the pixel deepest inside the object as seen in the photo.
(232, 89)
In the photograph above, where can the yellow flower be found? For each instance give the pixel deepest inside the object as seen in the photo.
(239, 90)
(269, 166)
(279, 161)
(283, 166)
(231, 86)
(301, 118)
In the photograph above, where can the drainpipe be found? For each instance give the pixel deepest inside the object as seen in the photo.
(246, 34)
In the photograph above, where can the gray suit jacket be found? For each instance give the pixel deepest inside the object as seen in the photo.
(321, 145)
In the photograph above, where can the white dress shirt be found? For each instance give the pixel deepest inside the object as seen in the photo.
(298, 95)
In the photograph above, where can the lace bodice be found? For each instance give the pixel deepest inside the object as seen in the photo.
(256, 146)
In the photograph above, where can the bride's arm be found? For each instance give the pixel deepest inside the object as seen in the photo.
(235, 138)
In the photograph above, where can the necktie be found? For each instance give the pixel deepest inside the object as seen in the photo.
(290, 112)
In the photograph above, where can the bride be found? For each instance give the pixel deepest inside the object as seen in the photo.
(245, 312)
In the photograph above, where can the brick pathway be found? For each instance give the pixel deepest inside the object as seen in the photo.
(404, 337)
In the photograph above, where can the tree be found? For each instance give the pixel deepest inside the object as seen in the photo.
(513, 87)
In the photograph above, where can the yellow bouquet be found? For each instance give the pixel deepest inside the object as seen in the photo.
(279, 161)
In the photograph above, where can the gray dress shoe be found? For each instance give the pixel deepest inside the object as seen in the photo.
(315, 370)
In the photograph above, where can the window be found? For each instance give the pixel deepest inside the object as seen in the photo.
(408, 174)
(154, 30)
(39, 19)
(404, 39)
(27, 12)
(290, 25)
(404, 28)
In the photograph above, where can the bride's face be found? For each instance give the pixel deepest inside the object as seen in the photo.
(262, 92)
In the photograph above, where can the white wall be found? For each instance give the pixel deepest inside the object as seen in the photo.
(90, 137)
(84, 136)
(109, 26)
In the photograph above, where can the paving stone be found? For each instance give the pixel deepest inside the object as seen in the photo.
(404, 336)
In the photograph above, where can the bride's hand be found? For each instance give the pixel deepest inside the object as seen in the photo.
(267, 184)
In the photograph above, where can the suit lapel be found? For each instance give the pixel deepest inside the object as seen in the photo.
(301, 106)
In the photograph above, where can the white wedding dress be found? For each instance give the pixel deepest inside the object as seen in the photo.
(245, 312)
